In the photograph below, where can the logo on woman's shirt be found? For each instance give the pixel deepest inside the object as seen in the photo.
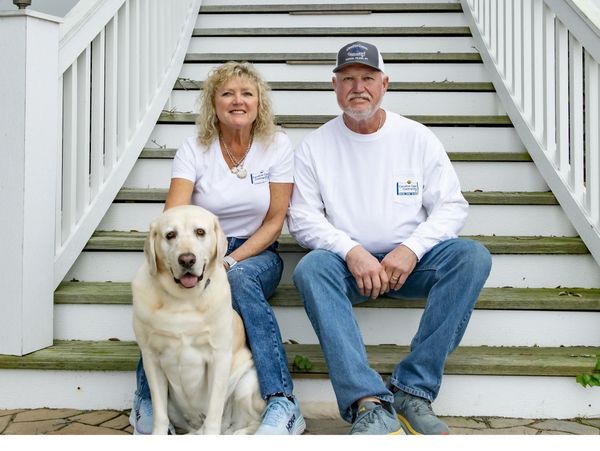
(257, 178)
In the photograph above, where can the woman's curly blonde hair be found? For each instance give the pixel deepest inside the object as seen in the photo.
(208, 122)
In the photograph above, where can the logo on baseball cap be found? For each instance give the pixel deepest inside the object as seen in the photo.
(359, 53)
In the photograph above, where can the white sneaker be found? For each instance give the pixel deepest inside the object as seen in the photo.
(282, 417)
(141, 417)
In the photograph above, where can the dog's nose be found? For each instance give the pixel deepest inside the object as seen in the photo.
(187, 260)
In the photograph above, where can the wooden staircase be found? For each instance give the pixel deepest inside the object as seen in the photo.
(535, 326)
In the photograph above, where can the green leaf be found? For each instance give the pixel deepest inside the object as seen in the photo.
(587, 380)
(302, 363)
(597, 368)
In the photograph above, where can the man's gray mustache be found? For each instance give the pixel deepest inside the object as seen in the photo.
(359, 97)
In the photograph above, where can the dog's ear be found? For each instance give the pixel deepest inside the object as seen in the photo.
(221, 246)
(149, 250)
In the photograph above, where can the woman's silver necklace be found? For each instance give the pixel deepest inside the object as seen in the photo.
(237, 168)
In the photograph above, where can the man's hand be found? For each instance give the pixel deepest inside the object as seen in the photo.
(369, 274)
(398, 265)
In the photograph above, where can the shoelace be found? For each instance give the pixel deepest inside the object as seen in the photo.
(420, 406)
(370, 417)
(144, 408)
(276, 411)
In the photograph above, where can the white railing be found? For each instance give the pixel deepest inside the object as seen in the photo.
(544, 59)
(78, 101)
(118, 61)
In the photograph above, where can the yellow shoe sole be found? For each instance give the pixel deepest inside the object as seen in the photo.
(407, 425)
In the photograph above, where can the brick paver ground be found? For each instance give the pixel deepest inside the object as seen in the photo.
(113, 422)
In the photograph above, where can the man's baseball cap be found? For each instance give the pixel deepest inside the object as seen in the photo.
(359, 53)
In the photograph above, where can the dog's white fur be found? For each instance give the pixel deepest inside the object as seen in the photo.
(201, 374)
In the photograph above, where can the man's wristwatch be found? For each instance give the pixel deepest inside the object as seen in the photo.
(231, 262)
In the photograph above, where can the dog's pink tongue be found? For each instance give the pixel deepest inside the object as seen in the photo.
(189, 280)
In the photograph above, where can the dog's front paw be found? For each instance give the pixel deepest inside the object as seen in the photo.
(160, 428)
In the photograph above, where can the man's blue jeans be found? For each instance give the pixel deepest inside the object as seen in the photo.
(252, 282)
(450, 276)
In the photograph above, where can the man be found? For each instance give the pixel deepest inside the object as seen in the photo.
(378, 201)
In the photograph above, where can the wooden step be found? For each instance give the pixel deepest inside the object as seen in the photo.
(134, 242)
(474, 198)
(322, 8)
(334, 31)
(169, 153)
(485, 360)
(312, 121)
(533, 299)
(329, 58)
(184, 84)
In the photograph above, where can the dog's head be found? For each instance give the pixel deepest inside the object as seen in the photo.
(184, 246)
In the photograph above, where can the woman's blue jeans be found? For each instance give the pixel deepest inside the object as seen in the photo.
(252, 282)
(450, 276)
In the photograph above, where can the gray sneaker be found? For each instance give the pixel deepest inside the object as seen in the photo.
(417, 416)
(376, 419)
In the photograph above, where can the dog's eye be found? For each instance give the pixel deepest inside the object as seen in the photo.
(171, 235)
(200, 232)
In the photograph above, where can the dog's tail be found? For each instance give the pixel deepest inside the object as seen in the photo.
(319, 410)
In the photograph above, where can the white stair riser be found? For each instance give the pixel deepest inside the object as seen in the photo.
(284, 20)
(510, 176)
(523, 220)
(405, 103)
(378, 326)
(519, 271)
(516, 397)
(467, 72)
(328, 44)
(509, 396)
(454, 139)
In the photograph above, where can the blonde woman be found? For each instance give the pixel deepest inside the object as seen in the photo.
(241, 168)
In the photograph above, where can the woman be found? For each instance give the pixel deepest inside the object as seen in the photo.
(241, 168)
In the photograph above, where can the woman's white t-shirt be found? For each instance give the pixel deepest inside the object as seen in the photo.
(240, 204)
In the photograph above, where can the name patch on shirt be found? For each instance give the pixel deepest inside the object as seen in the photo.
(259, 177)
(407, 187)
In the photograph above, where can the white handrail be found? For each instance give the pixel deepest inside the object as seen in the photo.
(118, 62)
(543, 56)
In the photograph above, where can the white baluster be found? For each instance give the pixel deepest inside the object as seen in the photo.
(592, 138)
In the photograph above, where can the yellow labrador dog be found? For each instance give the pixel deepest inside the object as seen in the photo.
(200, 372)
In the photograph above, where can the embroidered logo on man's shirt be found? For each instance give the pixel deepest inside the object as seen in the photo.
(407, 187)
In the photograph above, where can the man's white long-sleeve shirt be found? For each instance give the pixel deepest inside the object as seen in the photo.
(395, 186)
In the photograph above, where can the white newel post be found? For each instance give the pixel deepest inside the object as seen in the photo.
(29, 123)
